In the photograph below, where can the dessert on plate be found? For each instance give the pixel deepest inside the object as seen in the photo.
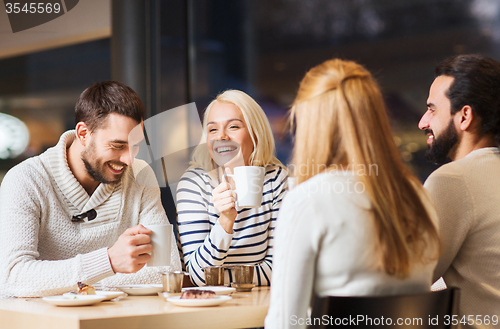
(197, 294)
(84, 289)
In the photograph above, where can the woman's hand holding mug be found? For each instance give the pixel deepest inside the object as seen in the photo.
(224, 199)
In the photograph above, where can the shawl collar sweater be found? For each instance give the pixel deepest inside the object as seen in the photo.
(43, 252)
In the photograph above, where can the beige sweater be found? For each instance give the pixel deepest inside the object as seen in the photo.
(43, 252)
(466, 193)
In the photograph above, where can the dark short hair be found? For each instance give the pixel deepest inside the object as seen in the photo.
(477, 84)
(103, 98)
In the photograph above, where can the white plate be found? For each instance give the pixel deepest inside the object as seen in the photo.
(176, 300)
(141, 289)
(109, 295)
(219, 290)
(74, 300)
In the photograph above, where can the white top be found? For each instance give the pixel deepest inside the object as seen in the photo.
(43, 252)
(466, 193)
(325, 242)
(205, 242)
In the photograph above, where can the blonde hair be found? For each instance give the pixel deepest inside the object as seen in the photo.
(257, 124)
(340, 119)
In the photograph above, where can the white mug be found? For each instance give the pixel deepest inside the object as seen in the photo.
(161, 240)
(249, 181)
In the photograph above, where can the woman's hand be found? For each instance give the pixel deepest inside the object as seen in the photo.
(224, 200)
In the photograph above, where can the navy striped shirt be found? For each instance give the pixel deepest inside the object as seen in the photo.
(205, 243)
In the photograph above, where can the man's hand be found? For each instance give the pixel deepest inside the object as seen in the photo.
(130, 252)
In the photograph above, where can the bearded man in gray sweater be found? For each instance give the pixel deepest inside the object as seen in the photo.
(463, 124)
(75, 213)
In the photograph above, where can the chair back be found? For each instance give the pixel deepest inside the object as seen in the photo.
(428, 310)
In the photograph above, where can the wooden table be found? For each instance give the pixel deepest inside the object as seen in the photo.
(136, 312)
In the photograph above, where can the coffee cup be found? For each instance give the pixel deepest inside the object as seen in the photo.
(214, 275)
(243, 277)
(249, 181)
(172, 281)
(243, 274)
(161, 240)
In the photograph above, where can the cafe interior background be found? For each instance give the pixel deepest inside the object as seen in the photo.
(193, 49)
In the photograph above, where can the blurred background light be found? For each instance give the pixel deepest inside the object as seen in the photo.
(14, 136)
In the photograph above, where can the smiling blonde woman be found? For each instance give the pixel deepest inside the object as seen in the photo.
(212, 230)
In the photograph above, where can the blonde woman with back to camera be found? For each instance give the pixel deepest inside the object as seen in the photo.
(358, 223)
(213, 231)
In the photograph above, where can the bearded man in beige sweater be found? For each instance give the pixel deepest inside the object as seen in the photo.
(75, 213)
(463, 124)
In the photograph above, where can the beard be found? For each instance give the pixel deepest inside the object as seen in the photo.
(98, 167)
(438, 150)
